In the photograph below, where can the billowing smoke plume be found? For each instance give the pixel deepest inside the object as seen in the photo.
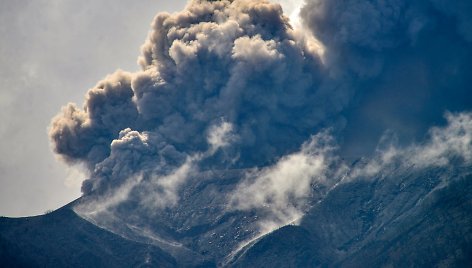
(237, 107)
(408, 61)
(233, 61)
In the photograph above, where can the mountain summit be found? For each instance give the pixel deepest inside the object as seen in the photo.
(248, 140)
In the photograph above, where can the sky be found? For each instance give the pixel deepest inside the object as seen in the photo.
(51, 52)
(225, 85)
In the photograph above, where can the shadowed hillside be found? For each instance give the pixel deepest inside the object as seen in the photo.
(63, 239)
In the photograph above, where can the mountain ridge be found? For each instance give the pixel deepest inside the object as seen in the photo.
(63, 239)
(407, 218)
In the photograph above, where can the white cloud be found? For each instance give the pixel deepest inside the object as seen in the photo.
(283, 188)
(220, 136)
(93, 207)
(164, 190)
(452, 142)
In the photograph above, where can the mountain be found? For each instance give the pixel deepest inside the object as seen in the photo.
(405, 219)
(63, 239)
(402, 218)
(232, 145)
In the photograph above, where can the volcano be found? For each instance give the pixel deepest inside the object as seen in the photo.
(343, 139)
(404, 218)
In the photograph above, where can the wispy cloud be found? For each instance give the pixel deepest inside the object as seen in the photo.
(447, 145)
(285, 188)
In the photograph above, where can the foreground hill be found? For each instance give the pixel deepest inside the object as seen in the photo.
(63, 239)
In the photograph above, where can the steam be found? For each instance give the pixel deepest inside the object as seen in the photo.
(284, 188)
(450, 145)
(220, 136)
(167, 187)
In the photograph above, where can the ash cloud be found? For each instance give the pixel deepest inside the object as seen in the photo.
(84, 135)
(407, 61)
(237, 61)
(233, 87)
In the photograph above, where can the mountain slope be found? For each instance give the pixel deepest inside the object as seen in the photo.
(403, 218)
(63, 239)
(423, 223)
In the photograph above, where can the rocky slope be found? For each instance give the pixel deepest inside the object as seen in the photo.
(405, 219)
(63, 239)
(402, 218)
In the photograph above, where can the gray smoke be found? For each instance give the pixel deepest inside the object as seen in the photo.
(236, 61)
(408, 62)
(233, 87)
